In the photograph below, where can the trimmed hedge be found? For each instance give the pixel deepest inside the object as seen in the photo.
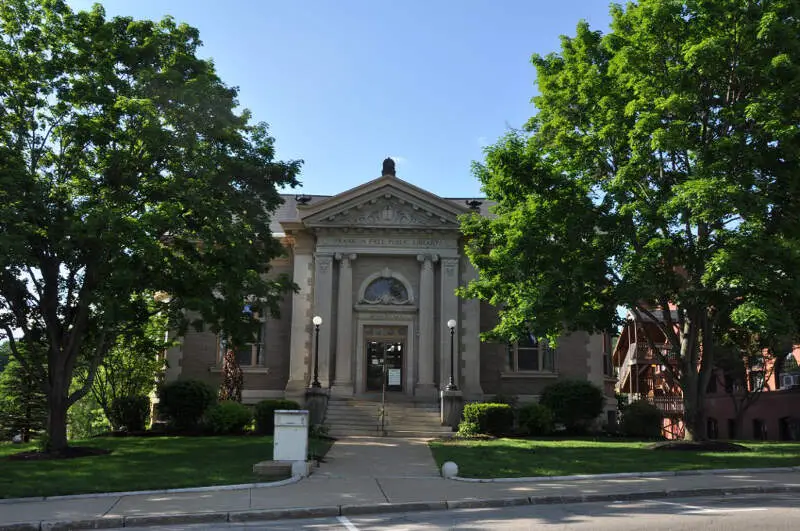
(184, 402)
(536, 419)
(265, 414)
(490, 418)
(574, 403)
(641, 419)
(228, 417)
(130, 413)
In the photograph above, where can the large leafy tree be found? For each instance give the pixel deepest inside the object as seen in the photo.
(660, 171)
(125, 170)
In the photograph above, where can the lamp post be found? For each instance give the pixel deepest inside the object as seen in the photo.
(451, 385)
(317, 320)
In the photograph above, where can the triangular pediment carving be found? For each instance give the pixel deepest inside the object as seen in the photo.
(385, 203)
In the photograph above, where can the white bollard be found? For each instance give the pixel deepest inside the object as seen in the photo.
(449, 470)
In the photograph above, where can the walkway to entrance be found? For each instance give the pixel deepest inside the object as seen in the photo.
(378, 457)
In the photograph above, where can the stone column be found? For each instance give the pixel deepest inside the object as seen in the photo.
(425, 385)
(343, 384)
(300, 342)
(323, 291)
(449, 310)
(470, 332)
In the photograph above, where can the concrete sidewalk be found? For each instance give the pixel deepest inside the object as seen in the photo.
(359, 477)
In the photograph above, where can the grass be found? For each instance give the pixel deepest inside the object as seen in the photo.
(139, 463)
(525, 457)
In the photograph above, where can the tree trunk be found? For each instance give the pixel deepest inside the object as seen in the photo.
(57, 420)
(694, 419)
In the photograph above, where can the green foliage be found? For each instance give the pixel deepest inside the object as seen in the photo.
(85, 419)
(23, 405)
(574, 403)
(661, 168)
(130, 413)
(133, 172)
(536, 420)
(641, 419)
(228, 417)
(491, 418)
(265, 414)
(184, 402)
(5, 353)
(468, 429)
(132, 367)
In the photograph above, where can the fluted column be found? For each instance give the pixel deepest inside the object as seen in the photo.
(449, 310)
(343, 383)
(425, 385)
(300, 342)
(323, 288)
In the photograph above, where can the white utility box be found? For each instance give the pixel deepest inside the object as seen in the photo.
(290, 443)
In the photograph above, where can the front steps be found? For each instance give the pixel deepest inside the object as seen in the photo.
(349, 416)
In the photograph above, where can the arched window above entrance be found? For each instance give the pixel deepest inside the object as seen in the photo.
(386, 287)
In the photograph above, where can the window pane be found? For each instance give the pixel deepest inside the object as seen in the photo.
(244, 355)
(528, 359)
(386, 290)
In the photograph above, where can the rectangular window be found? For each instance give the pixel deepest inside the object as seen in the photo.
(756, 381)
(529, 355)
(250, 354)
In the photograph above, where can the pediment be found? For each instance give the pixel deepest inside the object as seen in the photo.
(387, 202)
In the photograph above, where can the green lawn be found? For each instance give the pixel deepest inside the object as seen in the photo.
(137, 463)
(524, 458)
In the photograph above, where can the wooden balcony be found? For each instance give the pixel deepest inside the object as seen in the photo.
(669, 405)
(640, 353)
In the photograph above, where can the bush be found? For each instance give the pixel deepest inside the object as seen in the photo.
(130, 413)
(265, 414)
(536, 420)
(641, 420)
(468, 429)
(228, 417)
(184, 402)
(491, 418)
(574, 403)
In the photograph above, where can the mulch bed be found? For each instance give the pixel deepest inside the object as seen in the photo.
(71, 452)
(700, 446)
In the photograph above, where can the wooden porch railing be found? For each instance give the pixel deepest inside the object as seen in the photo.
(642, 353)
(667, 404)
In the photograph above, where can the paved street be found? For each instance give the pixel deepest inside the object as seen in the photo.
(762, 512)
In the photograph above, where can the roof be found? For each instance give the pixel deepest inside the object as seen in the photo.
(288, 209)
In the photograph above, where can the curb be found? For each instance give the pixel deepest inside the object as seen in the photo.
(379, 508)
(622, 475)
(215, 488)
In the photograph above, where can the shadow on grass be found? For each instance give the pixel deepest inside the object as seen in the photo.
(524, 458)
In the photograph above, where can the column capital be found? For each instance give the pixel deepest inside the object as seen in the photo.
(345, 258)
(323, 261)
(427, 258)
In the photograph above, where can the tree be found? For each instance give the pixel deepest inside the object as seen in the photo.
(660, 171)
(232, 378)
(5, 352)
(125, 170)
(23, 405)
(131, 367)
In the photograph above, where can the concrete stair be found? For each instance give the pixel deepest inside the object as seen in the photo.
(348, 416)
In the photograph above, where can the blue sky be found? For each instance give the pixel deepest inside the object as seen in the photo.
(343, 84)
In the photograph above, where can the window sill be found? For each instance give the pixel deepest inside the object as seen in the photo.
(246, 370)
(529, 374)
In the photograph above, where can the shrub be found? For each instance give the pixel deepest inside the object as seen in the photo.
(468, 429)
(265, 414)
(228, 417)
(130, 413)
(536, 420)
(641, 420)
(575, 403)
(184, 402)
(491, 418)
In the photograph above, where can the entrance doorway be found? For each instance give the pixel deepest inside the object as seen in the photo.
(385, 347)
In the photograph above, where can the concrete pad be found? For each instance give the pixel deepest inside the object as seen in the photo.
(56, 510)
(320, 492)
(182, 503)
(378, 457)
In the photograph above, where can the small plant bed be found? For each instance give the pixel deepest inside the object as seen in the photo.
(138, 463)
(506, 457)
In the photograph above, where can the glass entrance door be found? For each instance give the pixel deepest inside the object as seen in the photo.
(385, 359)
